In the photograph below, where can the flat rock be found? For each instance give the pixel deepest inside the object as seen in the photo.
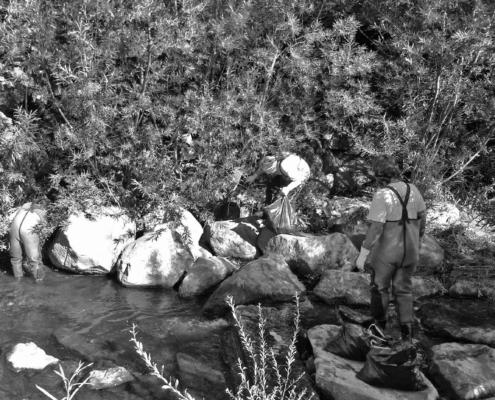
(267, 279)
(29, 356)
(307, 254)
(466, 320)
(353, 288)
(336, 376)
(473, 288)
(109, 378)
(464, 371)
(204, 274)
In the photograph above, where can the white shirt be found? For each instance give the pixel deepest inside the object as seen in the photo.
(386, 206)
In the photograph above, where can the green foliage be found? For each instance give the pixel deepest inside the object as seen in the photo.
(151, 105)
(71, 383)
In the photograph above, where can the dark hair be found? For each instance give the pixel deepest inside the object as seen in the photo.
(385, 166)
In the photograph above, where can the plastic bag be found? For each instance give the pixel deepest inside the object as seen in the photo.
(394, 367)
(281, 215)
(353, 339)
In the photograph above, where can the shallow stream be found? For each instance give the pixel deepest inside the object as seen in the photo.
(88, 318)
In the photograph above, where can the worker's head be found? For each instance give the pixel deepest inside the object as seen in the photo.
(385, 168)
(268, 165)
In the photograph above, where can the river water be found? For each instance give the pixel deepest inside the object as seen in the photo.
(88, 318)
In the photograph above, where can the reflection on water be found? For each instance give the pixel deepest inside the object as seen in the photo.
(84, 317)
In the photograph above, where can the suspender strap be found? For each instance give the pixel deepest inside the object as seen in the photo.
(405, 217)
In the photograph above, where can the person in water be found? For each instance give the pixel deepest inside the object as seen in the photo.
(392, 243)
(24, 240)
(283, 175)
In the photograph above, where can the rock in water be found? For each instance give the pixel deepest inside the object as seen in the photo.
(29, 356)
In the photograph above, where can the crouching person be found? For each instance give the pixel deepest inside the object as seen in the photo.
(24, 240)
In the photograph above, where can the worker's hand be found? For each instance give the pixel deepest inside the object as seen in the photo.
(251, 179)
(284, 191)
(361, 260)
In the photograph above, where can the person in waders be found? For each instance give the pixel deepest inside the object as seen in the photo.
(24, 239)
(282, 175)
(392, 243)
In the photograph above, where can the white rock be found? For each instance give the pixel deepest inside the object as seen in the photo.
(29, 356)
(187, 225)
(103, 379)
(91, 246)
(155, 259)
(443, 214)
(336, 376)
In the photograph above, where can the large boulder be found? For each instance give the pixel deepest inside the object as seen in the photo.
(233, 238)
(354, 288)
(466, 320)
(336, 376)
(307, 254)
(204, 274)
(464, 371)
(473, 288)
(267, 279)
(91, 244)
(155, 259)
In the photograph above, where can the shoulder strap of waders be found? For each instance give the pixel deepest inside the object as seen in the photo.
(405, 217)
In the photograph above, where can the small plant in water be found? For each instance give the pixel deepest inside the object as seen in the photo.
(264, 365)
(71, 386)
(270, 381)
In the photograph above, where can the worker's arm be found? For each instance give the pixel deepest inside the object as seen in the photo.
(291, 186)
(422, 223)
(372, 236)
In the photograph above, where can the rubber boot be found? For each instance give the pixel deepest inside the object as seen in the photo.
(38, 273)
(17, 270)
(406, 333)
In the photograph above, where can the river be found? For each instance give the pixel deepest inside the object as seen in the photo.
(88, 318)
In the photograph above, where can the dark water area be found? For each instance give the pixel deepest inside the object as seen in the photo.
(88, 318)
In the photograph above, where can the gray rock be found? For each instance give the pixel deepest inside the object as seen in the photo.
(203, 372)
(464, 371)
(349, 214)
(267, 279)
(353, 288)
(473, 288)
(204, 274)
(155, 259)
(186, 225)
(308, 254)
(109, 378)
(91, 246)
(233, 239)
(336, 376)
(467, 320)
(264, 237)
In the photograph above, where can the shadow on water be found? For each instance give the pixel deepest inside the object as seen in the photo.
(88, 318)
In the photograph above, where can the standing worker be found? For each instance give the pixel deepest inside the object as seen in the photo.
(23, 237)
(398, 221)
(284, 175)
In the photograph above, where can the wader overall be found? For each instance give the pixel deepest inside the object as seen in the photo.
(21, 236)
(393, 259)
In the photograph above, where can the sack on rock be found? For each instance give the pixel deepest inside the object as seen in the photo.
(281, 216)
(353, 339)
(395, 368)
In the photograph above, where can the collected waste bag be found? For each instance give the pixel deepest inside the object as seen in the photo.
(280, 216)
(353, 340)
(393, 367)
